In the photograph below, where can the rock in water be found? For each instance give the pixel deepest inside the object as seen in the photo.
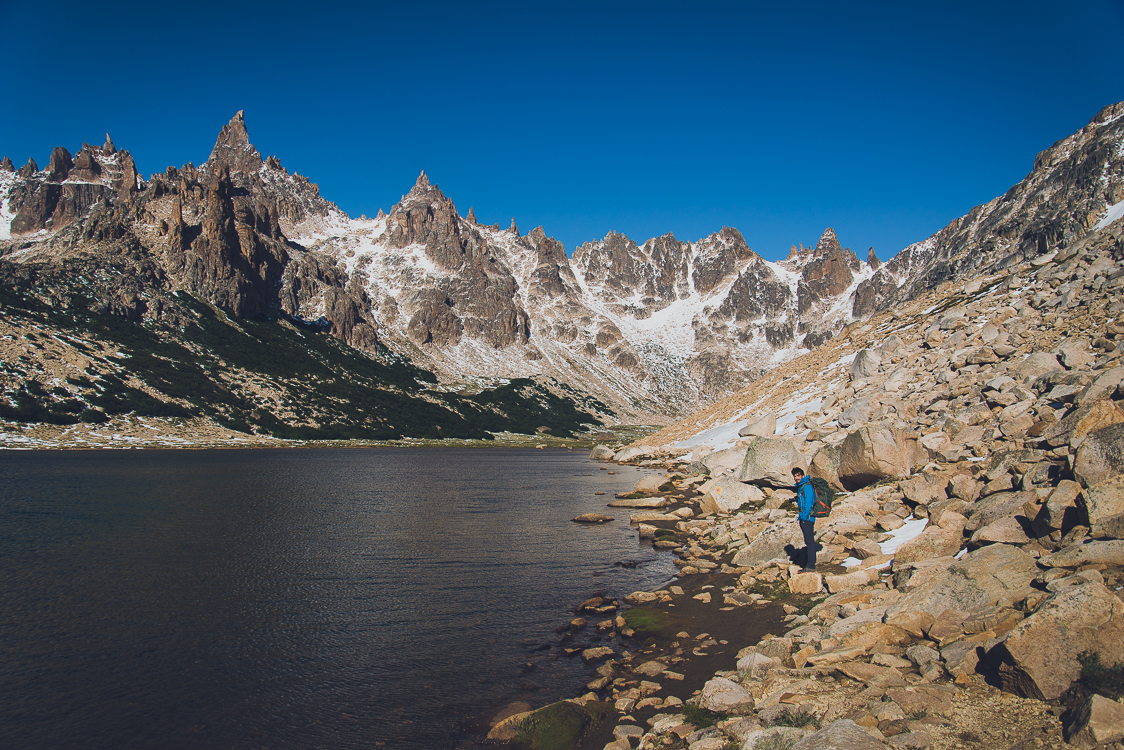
(592, 518)
(601, 453)
(650, 484)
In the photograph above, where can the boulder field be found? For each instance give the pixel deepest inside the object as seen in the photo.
(970, 575)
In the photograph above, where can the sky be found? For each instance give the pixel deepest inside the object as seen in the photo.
(882, 120)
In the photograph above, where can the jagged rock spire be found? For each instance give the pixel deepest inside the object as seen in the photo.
(514, 229)
(61, 164)
(471, 218)
(423, 181)
(6, 165)
(28, 169)
(108, 149)
(872, 260)
(828, 241)
(233, 148)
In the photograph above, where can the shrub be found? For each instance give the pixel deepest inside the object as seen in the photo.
(1097, 678)
(796, 719)
(699, 717)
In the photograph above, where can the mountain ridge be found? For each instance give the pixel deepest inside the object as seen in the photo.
(652, 331)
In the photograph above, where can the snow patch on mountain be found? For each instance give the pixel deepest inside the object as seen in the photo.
(6, 213)
(1113, 213)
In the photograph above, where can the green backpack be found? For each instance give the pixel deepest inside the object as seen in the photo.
(824, 496)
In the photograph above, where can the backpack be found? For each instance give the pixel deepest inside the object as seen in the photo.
(824, 496)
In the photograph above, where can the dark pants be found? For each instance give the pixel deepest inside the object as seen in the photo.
(810, 546)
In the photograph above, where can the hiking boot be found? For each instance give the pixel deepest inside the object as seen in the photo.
(808, 570)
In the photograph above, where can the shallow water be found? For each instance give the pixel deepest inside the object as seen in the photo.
(295, 598)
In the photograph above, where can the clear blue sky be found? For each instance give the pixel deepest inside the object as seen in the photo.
(883, 120)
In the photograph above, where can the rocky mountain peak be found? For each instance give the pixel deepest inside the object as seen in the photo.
(425, 216)
(233, 148)
(828, 241)
(471, 218)
(6, 165)
(27, 170)
(108, 149)
(826, 272)
(1071, 185)
(872, 260)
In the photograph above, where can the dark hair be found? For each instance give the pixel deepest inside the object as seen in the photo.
(797, 470)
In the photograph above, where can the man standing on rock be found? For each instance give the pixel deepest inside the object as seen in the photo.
(805, 499)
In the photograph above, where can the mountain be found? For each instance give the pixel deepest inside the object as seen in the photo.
(631, 332)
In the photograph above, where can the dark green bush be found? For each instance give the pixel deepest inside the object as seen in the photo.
(1097, 678)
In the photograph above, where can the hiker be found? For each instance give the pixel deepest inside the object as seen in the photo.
(805, 500)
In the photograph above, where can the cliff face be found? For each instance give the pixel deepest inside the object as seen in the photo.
(653, 329)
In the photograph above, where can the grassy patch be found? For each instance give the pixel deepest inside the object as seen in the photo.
(651, 623)
(558, 726)
(778, 591)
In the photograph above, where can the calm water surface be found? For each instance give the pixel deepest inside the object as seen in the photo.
(330, 598)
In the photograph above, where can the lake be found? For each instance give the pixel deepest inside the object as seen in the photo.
(278, 598)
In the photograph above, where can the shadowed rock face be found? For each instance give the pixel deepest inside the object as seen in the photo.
(86, 167)
(227, 263)
(60, 165)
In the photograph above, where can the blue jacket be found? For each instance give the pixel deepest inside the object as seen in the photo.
(805, 498)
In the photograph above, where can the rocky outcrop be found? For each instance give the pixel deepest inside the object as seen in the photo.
(86, 166)
(29, 169)
(35, 204)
